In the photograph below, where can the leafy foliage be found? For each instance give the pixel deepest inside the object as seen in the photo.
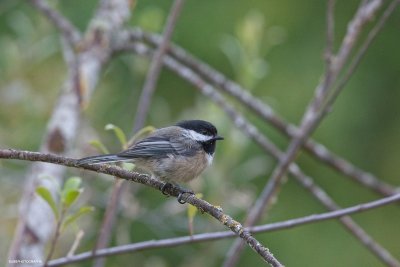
(69, 194)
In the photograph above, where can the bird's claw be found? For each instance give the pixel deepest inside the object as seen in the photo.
(183, 192)
(165, 187)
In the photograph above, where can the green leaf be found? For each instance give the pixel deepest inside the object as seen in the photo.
(118, 132)
(72, 183)
(45, 194)
(46, 177)
(71, 191)
(73, 217)
(99, 146)
(71, 196)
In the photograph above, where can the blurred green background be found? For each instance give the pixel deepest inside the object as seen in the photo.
(274, 48)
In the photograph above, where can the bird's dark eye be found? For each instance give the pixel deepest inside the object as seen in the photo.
(209, 146)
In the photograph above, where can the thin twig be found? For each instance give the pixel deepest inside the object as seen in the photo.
(118, 12)
(330, 31)
(365, 12)
(155, 67)
(178, 241)
(360, 53)
(55, 238)
(140, 117)
(174, 191)
(108, 220)
(76, 243)
(68, 31)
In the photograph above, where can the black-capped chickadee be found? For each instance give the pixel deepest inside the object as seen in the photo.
(173, 154)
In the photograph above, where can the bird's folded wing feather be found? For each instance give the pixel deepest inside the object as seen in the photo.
(157, 147)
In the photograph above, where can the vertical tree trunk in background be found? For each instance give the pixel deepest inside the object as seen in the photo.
(35, 226)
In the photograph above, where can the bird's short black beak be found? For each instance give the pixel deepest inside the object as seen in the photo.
(217, 138)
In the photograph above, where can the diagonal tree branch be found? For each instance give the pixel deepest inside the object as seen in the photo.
(359, 55)
(201, 204)
(68, 31)
(156, 65)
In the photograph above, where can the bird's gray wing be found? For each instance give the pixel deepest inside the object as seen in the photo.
(154, 147)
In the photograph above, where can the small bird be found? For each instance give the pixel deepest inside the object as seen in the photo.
(173, 154)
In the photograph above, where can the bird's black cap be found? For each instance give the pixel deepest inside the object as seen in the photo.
(200, 126)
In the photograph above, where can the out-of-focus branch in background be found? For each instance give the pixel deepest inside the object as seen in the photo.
(139, 122)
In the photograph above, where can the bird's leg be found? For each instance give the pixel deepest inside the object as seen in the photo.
(181, 189)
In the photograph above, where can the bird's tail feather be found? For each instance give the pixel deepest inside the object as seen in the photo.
(101, 159)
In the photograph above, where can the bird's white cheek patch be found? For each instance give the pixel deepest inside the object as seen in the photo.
(209, 159)
(198, 137)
